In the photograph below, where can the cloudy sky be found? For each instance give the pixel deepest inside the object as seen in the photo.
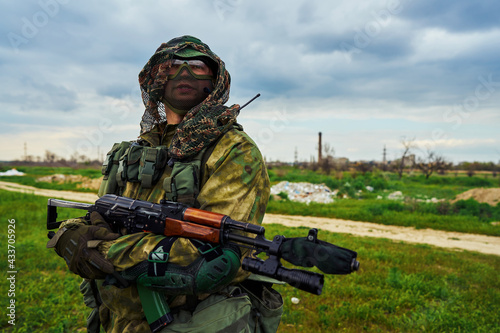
(367, 74)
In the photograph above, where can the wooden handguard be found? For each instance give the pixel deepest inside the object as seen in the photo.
(191, 230)
(204, 217)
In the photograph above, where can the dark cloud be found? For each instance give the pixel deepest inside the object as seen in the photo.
(271, 86)
(425, 56)
(40, 95)
(357, 41)
(455, 15)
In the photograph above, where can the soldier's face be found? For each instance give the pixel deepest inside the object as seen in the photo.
(184, 91)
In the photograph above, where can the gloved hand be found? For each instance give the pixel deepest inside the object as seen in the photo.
(77, 244)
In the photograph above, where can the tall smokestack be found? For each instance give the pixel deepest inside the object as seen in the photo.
(319, 148)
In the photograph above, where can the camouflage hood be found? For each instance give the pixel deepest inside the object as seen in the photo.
(205, 122)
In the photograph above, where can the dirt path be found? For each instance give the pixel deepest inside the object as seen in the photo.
(66, 195)
(454, 240)
(457, 240)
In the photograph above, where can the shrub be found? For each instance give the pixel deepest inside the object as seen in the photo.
(378, 184)
(283, 195)
(358, 184)
(473, 208)
(332, 183)
(443, 208)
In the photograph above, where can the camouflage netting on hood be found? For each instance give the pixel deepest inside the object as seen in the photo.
(205, 122)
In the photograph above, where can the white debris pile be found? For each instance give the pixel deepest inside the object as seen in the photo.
(304, 192)
(398, 195)
(12, 172)
(431, 200)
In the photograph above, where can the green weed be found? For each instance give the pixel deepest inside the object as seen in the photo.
(399, 288)
(47, 294)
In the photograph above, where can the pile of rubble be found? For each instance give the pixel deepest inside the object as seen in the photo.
(59, 178)
(84, 182)
(12, 172)
(304, 192)
(398, 195)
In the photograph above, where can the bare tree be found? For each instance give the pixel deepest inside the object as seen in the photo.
(408, 146)
(327, 163)
(50, 157)
(313, 165)
(471, 169)
(432, 162)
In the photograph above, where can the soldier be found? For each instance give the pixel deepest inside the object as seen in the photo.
(191, 150)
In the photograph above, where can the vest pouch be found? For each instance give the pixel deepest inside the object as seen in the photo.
(110, 168)
(108, 161)
(267, 306)
(183, 183)
(226, 311)
(132, 162)
(152, 163)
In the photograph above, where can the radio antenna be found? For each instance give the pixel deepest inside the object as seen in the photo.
(250, 101)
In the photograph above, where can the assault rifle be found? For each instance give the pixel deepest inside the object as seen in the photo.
(177, 219)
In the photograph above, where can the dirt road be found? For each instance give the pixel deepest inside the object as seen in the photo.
(66, 195)
(454, 240)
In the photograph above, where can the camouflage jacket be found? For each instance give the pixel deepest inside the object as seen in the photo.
(234, 182)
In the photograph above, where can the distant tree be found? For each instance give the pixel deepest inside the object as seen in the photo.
(383, 166)
(327, 162)
(363, 167)
(50, 157)
(432, 162)
(313, 165)
(471, 170)
(84, 158)
(74, 157)
(408, 146)
(29, 158)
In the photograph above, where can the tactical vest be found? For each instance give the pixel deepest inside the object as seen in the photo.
(131, 162)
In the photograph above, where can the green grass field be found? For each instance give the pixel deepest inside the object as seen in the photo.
(363, 205)
(46, 293)
(392, 212)
(399, 288)
(32, 173)
(467, 216)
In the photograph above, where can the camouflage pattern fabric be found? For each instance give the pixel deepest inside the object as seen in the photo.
(202, 124)
(235, 182)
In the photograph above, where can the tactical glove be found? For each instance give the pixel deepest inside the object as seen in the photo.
(77, 244)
